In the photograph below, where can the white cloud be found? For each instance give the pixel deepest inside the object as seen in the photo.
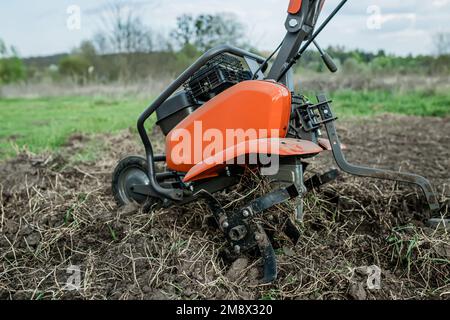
(412, 17)
(42, 31)
(441, 3)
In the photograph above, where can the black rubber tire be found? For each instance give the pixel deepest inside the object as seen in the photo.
(130, 169)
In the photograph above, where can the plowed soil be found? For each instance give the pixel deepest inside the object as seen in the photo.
(56, 212)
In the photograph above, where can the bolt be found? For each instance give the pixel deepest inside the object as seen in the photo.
(293, 23)
(225, 225)
(246, 213)
(237, 249)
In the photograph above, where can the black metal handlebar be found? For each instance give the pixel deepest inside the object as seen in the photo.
(177, 194)
(313, 37)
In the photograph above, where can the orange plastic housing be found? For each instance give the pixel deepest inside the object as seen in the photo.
(274, 146)
(326, 144)
(263, 107)
(295, 6)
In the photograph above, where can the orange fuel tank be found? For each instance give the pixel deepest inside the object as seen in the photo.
(247, 111)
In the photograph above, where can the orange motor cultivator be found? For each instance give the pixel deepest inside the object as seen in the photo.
(228, 113)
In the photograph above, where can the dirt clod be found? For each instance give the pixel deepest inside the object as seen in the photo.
(357, 291)
(237, 268)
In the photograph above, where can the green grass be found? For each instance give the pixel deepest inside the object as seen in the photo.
(46, 123)
(360, 103)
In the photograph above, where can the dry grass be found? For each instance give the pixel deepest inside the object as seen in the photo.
(56, 213)
(305, 82)
(365, 81)
(146, 89)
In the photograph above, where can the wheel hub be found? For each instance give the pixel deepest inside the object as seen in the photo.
(128, 179)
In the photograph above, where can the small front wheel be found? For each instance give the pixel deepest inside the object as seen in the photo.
(129, 172)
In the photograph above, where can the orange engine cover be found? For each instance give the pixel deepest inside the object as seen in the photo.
(249, 110)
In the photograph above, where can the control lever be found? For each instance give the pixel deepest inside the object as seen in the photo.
(326, 58)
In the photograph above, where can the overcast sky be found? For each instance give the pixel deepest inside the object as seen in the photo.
(397, 26)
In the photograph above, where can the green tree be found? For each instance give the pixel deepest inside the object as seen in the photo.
(12, 68)
(76, 67)
(353, 66)
(87, 50)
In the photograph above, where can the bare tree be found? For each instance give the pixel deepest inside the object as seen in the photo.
(442, 43)
(184, 33)
(207, 30)
(2, 48)
(6, 51)
(123, 31)
(125, 36)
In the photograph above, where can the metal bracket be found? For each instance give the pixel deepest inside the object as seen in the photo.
(312, 117)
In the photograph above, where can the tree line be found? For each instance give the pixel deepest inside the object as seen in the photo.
(126, 49)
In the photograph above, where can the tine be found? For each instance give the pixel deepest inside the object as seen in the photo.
(268, 256)
(291, 230)
(317, 181)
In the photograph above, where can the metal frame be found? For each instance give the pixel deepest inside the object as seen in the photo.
(299, 27)
(297, 31)
(177, 194)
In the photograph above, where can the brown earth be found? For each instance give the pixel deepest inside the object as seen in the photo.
(56, 212)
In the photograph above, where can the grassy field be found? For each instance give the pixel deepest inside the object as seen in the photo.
(46, 123)
(359, 103)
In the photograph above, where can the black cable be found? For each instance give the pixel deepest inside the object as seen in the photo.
(267, 61)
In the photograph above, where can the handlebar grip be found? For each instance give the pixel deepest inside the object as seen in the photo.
(329, 62)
